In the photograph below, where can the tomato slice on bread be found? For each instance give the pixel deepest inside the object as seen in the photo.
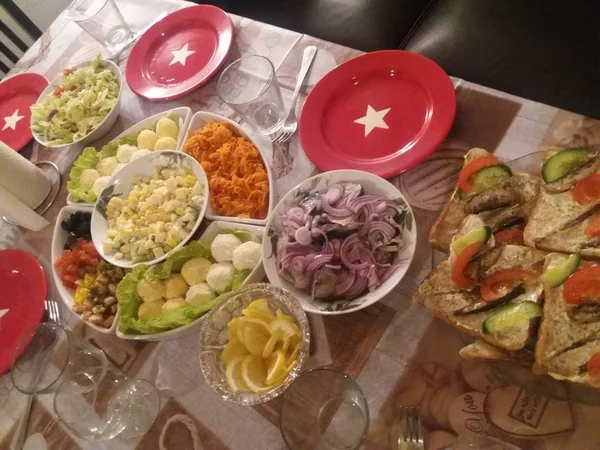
(510, 236)
(583, 286)
(471, 168)
(587, 190)
(503, 281)
(593, 365)
(460, 264)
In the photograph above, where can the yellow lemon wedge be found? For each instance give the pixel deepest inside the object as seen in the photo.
(232, 330)
(255, 341)
(254, 372)
(233, 375)
(232, 350)
(271, 343)
(275, 366)
(258, 325)
(293, 356)
(288, 328)
(280, 315)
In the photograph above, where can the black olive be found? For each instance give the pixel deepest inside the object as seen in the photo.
(86, 217)
(65, 224)
(77, 216)
(83, 228)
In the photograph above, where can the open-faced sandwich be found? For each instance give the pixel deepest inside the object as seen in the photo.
(568, 344)
(490, 190)
(487, 290)
(565, 217)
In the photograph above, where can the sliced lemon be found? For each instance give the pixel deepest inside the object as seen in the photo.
(271, 343)
(283, 344)
(233, 375)
(281, 315)
(232, 330)
(293, 356)
(258, 325)
(287, 327)
(232, 350)
(260, 305)
(275, 366)
(254, 372)
(255, 341)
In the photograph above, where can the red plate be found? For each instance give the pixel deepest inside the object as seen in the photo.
(23, 292)
(382, 112)
(179, 53)
(17, 94)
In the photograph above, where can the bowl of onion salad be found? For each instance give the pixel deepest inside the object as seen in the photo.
(340, 241)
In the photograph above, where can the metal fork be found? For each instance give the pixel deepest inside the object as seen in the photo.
(53, 312)
(290, 125)
(410, 434)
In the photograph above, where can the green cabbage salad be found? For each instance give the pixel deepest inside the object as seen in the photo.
(78, 105)
(80, 190)
(130, 301)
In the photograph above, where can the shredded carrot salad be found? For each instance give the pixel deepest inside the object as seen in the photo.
(237, 178)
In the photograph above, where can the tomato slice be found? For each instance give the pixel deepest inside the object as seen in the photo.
(469, 170)
(500, 283)
(593, 228)
(593, 365)
(587, 190)
(460, 264)
(583, 286)
(511, 236)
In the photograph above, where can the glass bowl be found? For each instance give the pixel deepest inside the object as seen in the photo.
(213, 338)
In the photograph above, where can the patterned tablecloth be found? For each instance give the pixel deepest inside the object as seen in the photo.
(395, 350)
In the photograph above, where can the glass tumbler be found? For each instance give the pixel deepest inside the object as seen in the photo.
(249, 86)
(48, 353)
(324, 409)
(102, 20)
(481, 443)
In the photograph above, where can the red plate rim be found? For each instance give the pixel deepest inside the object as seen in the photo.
(327, 158)
(133, 71)
(38, 82)
(37, 271)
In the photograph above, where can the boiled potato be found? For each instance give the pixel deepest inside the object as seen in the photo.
(175, 286)
(151, 291)
(174, 303)
(199, 293)
(107, 166)
(150, 309)
(166, 127)
(165, 143)
(194, 271)
(147, 139)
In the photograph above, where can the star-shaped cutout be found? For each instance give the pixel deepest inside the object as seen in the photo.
(180, 56)
(11, 121)
(373, 119)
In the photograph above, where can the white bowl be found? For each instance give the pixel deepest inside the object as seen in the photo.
(104, 126)
(183, 116)
(59, 238)
(120, 185)
(200, 119)
(255, 276)
(372, 184)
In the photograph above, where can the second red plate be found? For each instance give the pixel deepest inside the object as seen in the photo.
(179, 53)
(382, 112)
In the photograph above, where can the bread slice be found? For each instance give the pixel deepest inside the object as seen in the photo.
(444, 299)
(516, 190)
(568, 336)
(482, 351)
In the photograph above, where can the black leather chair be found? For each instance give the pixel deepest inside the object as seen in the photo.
(7, 29)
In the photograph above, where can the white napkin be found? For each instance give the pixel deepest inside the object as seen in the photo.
(18, 212)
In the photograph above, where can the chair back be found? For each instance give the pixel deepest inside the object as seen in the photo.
(17, 34)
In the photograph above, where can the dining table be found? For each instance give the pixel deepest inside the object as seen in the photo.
(398, 353)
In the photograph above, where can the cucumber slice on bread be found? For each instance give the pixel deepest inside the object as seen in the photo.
(510, 316)
(557, 275)
(564, 162)
(478, 235)
(487, 177)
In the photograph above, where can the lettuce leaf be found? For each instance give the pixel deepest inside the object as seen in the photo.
(239, 278)
(177, 259)
(87, 160)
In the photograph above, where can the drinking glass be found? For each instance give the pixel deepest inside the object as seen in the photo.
(117, 406)
(48, 353)
(102, 20)
(481, 443)
(324, 409)
(249, 86)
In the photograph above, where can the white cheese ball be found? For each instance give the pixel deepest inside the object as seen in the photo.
(125, 152)
(99, 184)
(223, 245)
(88, 178)
(147, 139)
(247, 255)
(165, 143)
(166, 127)
(140, 152)
(220, 276)
(107, 166)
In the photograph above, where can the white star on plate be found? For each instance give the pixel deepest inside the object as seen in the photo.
(373, 119)
(11, 121)
(2, 312)
(180, 56)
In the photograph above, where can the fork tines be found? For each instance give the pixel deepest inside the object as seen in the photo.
(410, 424)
